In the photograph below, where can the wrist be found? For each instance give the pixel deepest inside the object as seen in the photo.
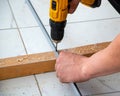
(85, 73)
(97, 65)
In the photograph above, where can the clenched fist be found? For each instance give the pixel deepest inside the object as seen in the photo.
(70, 67)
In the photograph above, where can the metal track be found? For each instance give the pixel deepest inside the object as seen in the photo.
(48, 37)
(42, 26)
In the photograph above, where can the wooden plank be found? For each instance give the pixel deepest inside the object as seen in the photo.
(39, 63)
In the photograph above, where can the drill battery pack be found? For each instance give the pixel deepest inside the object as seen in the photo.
(91, 3)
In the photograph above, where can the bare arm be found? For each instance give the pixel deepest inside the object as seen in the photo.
(106, 61)
(75, 68)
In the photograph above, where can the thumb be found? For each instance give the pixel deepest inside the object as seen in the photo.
(73, 5)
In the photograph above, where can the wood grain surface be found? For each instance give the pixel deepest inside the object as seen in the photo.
(41, 62)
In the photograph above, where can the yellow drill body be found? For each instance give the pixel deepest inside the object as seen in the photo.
(58, 10)
(88, 2)
(58, 14)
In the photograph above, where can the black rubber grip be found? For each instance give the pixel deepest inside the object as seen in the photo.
(57, 30)
(97, 3)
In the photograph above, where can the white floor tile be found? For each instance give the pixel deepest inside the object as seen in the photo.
(50, 86)
(10, 43)
(24, 86)
(82, 13)
(92, 87)
(35, 41)
(101, 85)
(22, 13)
(112, 81)
(6, 17)
(42, 9)
(79, 34)
(109, 94)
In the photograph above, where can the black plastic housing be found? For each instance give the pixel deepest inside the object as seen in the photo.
(97, 3)
(57, 30)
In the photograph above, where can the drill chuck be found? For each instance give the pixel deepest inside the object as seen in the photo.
(57, 30)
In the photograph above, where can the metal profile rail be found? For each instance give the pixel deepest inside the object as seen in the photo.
(75, 87)
(34, 13)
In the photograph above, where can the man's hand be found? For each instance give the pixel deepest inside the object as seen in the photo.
(76, 68)
(69, 67)
(73, 5)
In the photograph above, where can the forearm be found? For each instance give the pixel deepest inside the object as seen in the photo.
(104, 62)
(76, 68)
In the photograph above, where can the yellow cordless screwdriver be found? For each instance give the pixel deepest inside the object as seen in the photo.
(58, 14)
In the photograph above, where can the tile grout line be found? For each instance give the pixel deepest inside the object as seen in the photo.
(8, 28)
(17, 27)
(103, 93)
(24, 44)
(90, 21)
(104, 19)
(38, 85)
(114, 18)
(20, 27)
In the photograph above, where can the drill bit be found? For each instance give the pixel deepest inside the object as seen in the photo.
(56, 46)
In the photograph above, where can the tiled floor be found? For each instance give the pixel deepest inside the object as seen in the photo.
(10, 43)
(6, 17)
(20, 34)
(24, 86)
(37, 43)
(22, 14)
(52, 87)
(101, 85)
